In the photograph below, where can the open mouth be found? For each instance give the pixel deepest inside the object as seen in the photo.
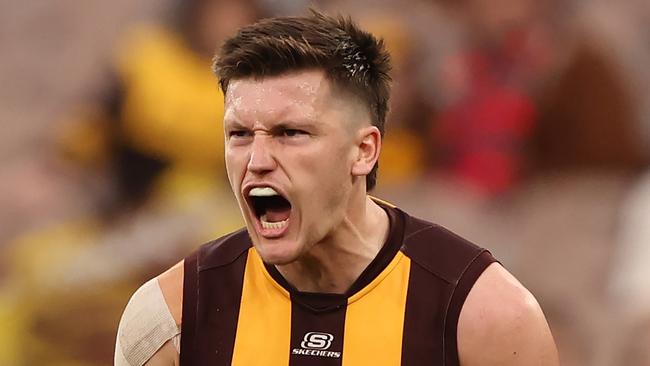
(271, 209)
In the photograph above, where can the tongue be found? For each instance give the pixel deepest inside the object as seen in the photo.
(277, 214)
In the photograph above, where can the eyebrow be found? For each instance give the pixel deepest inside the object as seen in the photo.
(296, 124)
(286, 124)
(231, 124)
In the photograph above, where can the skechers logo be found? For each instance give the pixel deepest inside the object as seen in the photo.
(316, 344)
(316, 340)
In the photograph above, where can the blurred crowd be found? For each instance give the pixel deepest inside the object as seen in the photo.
(522, 125)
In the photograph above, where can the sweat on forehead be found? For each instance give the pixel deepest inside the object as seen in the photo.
(307, 82)
(300, 92)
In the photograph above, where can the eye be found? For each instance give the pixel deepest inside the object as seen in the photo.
(292, 132)
(238, 133)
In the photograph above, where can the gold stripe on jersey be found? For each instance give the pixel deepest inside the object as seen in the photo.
(264, 326)
(382, 202)
(374, 320)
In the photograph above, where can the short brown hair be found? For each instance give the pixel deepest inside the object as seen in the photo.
(354, 60)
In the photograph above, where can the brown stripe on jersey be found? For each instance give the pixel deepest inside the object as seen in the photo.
(212, 283)
(190, 289)
(465, 284)
(213, 316)
(220, 318)
(443, 271)
(424, 318)
(317, 336)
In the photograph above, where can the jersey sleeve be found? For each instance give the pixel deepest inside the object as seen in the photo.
(146, 325)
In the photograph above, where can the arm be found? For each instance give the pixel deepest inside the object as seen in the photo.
(167, 355)
(502, 324)
(149, 331)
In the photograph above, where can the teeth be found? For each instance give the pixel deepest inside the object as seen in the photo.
(263, 192)
(272, 225)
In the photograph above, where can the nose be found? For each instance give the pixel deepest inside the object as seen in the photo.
(261, 160)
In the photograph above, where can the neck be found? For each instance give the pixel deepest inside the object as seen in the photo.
(333, 264)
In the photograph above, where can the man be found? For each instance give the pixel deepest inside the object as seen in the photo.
(323, 273)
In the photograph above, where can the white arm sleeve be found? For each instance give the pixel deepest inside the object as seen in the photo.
(145, 326)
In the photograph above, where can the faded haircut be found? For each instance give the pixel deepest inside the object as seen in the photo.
(352, 59)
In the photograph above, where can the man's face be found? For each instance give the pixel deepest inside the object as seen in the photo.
(291, 142)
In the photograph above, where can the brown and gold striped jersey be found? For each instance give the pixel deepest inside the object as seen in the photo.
(402, 310)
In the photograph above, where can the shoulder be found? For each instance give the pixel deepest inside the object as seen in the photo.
(440, 251)
(151, 319)
(153, 315)
(223, 251)
(501, 323)
(171, 287)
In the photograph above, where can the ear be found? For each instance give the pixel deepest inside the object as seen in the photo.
(369, 146)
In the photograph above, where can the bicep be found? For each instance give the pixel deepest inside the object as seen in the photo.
(502, 324)
(167, 355)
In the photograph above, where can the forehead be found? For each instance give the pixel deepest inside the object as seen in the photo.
(305, 92)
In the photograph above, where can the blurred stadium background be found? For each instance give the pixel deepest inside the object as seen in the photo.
(523, 125)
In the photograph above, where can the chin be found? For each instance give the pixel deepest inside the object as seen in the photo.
(277, 253)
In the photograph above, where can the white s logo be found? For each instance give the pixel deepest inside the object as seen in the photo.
(317, 340)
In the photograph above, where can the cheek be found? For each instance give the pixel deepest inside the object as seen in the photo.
(322, 168)
(329, 173)
(339, 165)
(235, 166)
